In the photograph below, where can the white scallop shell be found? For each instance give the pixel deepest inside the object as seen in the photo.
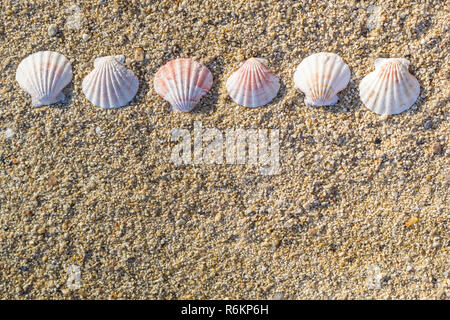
(110, 84)
(183, 82)
(390, 88)
(320, 77)
(253, 84)
(44, 75)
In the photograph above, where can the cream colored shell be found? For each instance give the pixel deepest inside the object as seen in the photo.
(320, 77)
(390, 88)
(43, 75)
(110, 84)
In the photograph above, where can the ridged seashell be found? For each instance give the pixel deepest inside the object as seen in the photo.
(390, 88)
(253, 84)
(110, 84)
(43, 75)
(320, 77)
(183, 82)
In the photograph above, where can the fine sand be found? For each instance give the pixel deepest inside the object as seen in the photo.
(91, 205)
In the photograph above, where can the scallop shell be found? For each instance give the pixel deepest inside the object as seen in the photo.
(253, 84)
(183, 82)
(43, 75)
(110, 84)
(320, 77)
(390, 89)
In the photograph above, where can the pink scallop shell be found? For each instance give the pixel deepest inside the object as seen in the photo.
(253, 84)
(183, 82)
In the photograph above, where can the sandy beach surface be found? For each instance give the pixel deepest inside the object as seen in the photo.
(91, 205)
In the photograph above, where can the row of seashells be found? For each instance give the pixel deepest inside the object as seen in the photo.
(44, 75)
(389, 89)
